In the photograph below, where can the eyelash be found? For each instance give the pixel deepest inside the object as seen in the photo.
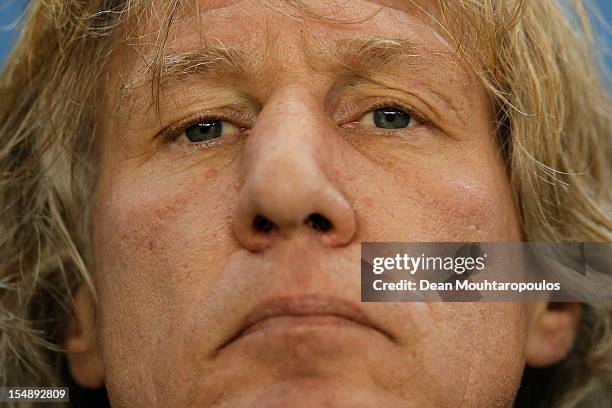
(173, 132)
(237, 119)
(384, 103)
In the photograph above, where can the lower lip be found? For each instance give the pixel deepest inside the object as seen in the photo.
(280, 324)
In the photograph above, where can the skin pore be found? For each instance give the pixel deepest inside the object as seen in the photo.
(228, 220)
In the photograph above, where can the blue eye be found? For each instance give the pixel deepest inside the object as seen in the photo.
(208, 130)
(388, 118)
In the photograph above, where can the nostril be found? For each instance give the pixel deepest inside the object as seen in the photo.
(262, 224)
(319, 222)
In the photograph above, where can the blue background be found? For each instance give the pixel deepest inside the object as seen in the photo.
(10, 10)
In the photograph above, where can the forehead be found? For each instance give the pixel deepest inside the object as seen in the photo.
(330, 10)
(273, 33)
(259, 25)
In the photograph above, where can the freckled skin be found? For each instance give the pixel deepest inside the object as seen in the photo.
(178, 263)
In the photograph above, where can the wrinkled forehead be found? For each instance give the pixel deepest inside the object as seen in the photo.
(156, 11)
(262, 36)
(163, 25)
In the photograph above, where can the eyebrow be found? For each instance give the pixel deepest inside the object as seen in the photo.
(353, 54)
(359, 56)
(374, 53)
(171, 66)
(210, 60)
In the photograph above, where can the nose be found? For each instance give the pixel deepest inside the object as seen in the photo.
(287, 184)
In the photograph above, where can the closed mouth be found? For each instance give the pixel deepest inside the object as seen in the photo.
(304, 311)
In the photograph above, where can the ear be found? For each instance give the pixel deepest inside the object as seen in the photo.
(84, 359)
(551, 333)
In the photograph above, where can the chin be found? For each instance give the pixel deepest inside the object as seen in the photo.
(313, 392)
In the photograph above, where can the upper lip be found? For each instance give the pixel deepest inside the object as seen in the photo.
(305, 305)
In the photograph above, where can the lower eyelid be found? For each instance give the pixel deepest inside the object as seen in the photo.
(187, 147)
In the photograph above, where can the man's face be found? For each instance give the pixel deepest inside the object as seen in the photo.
(228, 224)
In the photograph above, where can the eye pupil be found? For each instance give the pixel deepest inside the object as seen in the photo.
(391, 118)
(207, 130)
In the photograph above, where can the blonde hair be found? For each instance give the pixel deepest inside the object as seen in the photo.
(553, 120)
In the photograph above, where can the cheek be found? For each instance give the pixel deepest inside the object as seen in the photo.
(468, 205)
(148, 232)
(484, 345)
(439, 199)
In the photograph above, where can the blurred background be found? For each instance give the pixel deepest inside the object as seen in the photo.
(12, 10)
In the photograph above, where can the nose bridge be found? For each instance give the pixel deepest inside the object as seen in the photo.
(285, 190)
(284, 153)
(291, 120)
